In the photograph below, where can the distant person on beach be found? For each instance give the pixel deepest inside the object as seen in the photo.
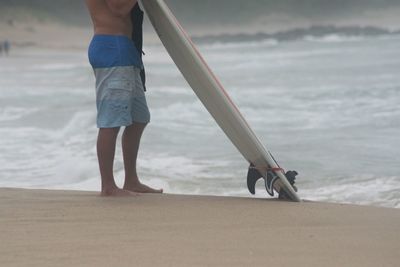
(120, 95)
(6, 47)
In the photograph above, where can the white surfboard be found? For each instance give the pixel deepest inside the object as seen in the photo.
(212, 94)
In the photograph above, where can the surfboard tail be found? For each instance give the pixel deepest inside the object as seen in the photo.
(271, 180)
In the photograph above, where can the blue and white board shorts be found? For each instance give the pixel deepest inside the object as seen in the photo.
(120, 96)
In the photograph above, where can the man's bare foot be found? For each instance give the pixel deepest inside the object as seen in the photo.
(116, 192)
(142, 188)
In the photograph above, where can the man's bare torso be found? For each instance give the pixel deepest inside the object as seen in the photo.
(111, 16)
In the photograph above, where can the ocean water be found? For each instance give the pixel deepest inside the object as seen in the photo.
(326, 107)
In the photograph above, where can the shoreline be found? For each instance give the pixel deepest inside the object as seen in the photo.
(64, 228)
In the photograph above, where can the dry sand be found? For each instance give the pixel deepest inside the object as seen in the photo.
(75, 228)
(45, 35)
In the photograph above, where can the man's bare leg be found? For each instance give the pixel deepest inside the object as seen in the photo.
(106, 141)
(130, 148)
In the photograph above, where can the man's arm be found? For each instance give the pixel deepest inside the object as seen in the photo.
(120, 7)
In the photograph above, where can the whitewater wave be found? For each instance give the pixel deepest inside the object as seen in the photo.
(378, 191)
(333, 38)
(15, 113)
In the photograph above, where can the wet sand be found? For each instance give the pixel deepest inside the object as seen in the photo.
(76, 228)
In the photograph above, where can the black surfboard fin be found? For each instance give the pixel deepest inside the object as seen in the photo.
(252, 177)
(270, 181)
(291, 177)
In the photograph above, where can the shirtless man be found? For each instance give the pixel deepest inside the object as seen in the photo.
(120, 96)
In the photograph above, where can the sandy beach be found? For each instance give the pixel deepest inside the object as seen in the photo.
(77, 228)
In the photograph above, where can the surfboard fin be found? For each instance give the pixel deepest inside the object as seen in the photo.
(291, 177)
(252, 177)
(270, 181)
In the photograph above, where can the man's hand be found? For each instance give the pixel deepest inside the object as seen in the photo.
(120, 7)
